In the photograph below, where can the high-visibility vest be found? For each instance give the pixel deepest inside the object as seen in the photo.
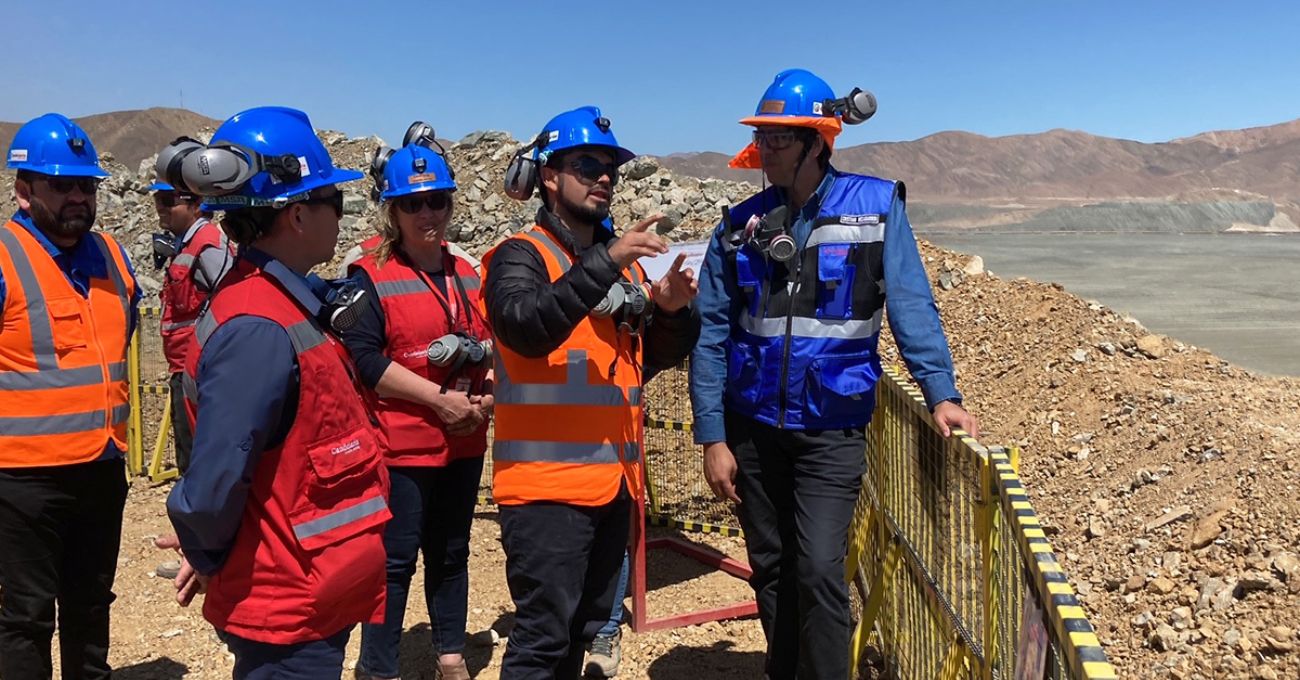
(415, 314)
(63, 383)
(568, 425)
(308, 559)
(181, 298)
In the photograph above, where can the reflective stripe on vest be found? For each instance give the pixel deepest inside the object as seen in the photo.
(184, 260)
(574, 391)
(303, 335)
(521, 451)
(48, 374)
(805, 327)
(339, 518)
(178, 325)
(65, 423)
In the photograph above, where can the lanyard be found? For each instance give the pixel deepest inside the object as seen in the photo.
(448, 301)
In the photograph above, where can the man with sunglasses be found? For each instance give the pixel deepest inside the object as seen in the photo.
(782, 381)
(574, 345)
(68, 300)
(202, 256)
(280, 515)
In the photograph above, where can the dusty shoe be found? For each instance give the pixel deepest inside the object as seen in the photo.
(452, 671)
(168, 570)
(604, 655)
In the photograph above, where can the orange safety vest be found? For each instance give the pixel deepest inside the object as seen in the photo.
(63, 388)
(568, 425)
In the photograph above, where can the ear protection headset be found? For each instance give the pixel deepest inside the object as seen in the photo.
(523, 171)
(853, 109)
(419, 133)
(220, 168)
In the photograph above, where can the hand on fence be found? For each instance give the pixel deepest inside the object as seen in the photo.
(720, 471)
(188, 581)
(949, 415)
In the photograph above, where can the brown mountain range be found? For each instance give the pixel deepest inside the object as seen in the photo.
(131, 136)
(1023, 175)
(1057, 180)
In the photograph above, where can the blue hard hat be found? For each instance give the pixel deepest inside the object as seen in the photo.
(794, 92)
(583, 126)
(275, 131)
(54, 145)
(414, 168)
(161, 186)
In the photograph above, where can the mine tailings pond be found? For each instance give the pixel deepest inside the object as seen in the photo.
(1237, 295)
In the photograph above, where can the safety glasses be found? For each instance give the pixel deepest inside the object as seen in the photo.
(775, 140)
(412, 203)
(65, 185)
(591, 170)
(334, 200)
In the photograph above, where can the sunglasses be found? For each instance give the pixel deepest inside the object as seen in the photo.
(412, 203)
(168, 199)
(65, 185)
(334, 200)
(775, 140)
(591, 170)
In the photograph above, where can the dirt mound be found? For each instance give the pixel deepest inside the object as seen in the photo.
(1166, 475)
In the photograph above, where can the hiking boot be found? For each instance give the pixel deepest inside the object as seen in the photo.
(603, 656)
(452, 671)
(168, 570)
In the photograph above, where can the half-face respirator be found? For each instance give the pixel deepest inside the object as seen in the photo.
(459, 350)
(626, 303)
(341, 304)
(770, 233)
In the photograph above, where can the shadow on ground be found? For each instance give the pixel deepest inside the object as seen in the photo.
(157, 669)
(418, 659)
(715, 661)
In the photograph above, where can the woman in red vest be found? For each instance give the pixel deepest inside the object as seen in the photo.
(421, 348)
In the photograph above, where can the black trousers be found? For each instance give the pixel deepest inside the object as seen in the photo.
(315, 660)
(562, 566)
(798, 491)
(60, 530)
(182, 435)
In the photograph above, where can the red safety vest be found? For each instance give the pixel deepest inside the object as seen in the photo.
(568, 424)
(63, 383)
(415, 314)
(308, 559)
(181, 297)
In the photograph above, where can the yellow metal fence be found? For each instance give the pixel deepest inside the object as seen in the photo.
(952, 574)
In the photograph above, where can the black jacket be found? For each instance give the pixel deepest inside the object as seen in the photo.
(533, 316)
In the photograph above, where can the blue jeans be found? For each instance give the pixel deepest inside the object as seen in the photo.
(433, 509)
(315, 660)
(616, 614)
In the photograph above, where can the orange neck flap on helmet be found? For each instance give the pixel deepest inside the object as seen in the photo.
(827, 126)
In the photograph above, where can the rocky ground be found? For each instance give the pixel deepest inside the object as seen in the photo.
(1167, 477)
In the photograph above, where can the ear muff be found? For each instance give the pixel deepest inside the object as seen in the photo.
(856, 108)
(523, 172)
(422, 133)
(168, 165)
(220, 168)
(378, 162)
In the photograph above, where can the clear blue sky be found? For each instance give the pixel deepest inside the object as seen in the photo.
(673, 76)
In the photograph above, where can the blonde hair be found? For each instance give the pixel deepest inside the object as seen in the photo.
(390, 235)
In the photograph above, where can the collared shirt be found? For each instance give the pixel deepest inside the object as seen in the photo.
(909, 304)
(80, 263)
(248, 398)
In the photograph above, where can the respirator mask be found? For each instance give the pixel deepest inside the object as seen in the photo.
(626, 303)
